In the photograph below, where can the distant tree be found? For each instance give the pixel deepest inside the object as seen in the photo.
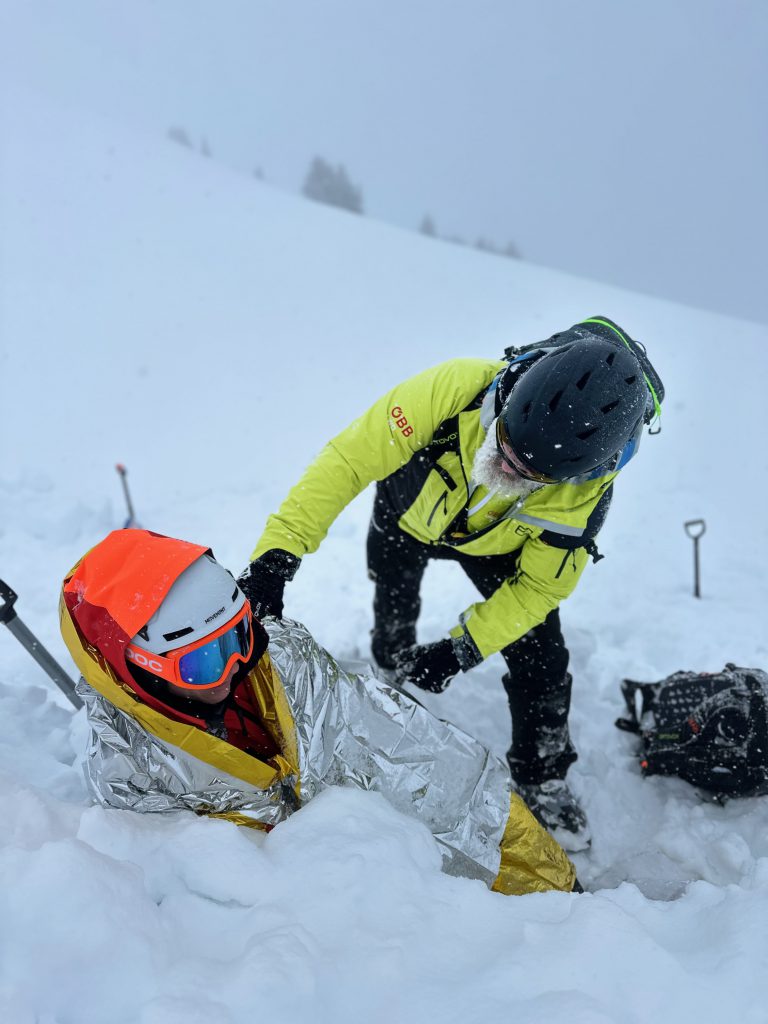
(428, 227)
(205, 149)
(485, 246)
(177, 134)
(258, 173)
(327, 184)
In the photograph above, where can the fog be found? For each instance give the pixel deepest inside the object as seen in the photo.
(620, 141)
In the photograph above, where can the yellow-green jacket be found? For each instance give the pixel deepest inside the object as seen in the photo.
(422, 437)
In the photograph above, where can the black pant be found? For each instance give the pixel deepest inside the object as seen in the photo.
(537, 682)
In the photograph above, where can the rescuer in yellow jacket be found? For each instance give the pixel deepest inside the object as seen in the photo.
(507, 467)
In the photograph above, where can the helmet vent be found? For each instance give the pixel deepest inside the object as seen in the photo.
(170, 637)
(144, 633)
(586, 433)
(581, 383)
(555, 400)
(605, 409)
(526, 411)
(235, 592)
(610, 358)
(630, 380)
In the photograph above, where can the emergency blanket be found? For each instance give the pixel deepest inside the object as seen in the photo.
(349, 730)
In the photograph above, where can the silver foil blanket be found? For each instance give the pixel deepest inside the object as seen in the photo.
(352, 730)
(129, 768)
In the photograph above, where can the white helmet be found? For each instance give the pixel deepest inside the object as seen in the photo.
(203, 598)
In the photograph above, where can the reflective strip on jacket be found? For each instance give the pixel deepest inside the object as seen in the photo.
(332, 728)
(386, 438)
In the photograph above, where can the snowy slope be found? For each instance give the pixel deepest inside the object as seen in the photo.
(212, 333)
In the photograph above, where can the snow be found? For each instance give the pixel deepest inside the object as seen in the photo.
(211, 333)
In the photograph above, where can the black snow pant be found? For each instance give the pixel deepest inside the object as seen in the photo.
(537, 682)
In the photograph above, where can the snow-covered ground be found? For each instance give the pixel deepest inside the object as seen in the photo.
(212, 333)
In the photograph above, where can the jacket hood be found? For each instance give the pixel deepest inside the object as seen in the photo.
(119, 585)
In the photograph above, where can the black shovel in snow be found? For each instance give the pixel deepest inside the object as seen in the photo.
(696, 528)
(28, 639)
(130, 523)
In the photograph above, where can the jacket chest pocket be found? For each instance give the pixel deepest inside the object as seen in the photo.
(440, 500)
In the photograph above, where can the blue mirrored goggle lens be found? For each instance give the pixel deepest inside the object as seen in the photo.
(206, 664)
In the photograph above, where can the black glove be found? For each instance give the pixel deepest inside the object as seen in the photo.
(263, 582)
(428, 666)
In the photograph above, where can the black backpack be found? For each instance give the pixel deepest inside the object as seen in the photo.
(709, 729)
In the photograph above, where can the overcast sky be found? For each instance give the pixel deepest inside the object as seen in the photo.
(624, 141)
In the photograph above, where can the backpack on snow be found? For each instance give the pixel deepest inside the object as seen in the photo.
(709, 729)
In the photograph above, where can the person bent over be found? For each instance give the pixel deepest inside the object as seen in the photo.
(507, 467)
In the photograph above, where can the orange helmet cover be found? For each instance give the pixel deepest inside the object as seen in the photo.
(117, 587)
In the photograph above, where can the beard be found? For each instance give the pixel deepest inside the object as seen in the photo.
(487, 470)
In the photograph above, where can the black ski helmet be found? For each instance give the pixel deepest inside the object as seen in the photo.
(575, 407)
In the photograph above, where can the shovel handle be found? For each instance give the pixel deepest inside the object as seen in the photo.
(695, 528)
(7, 611)
(29, 641)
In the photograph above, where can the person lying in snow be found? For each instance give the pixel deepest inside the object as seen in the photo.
(194, 704)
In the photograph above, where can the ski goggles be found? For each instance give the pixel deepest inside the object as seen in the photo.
(513, 460)
(204, 663)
